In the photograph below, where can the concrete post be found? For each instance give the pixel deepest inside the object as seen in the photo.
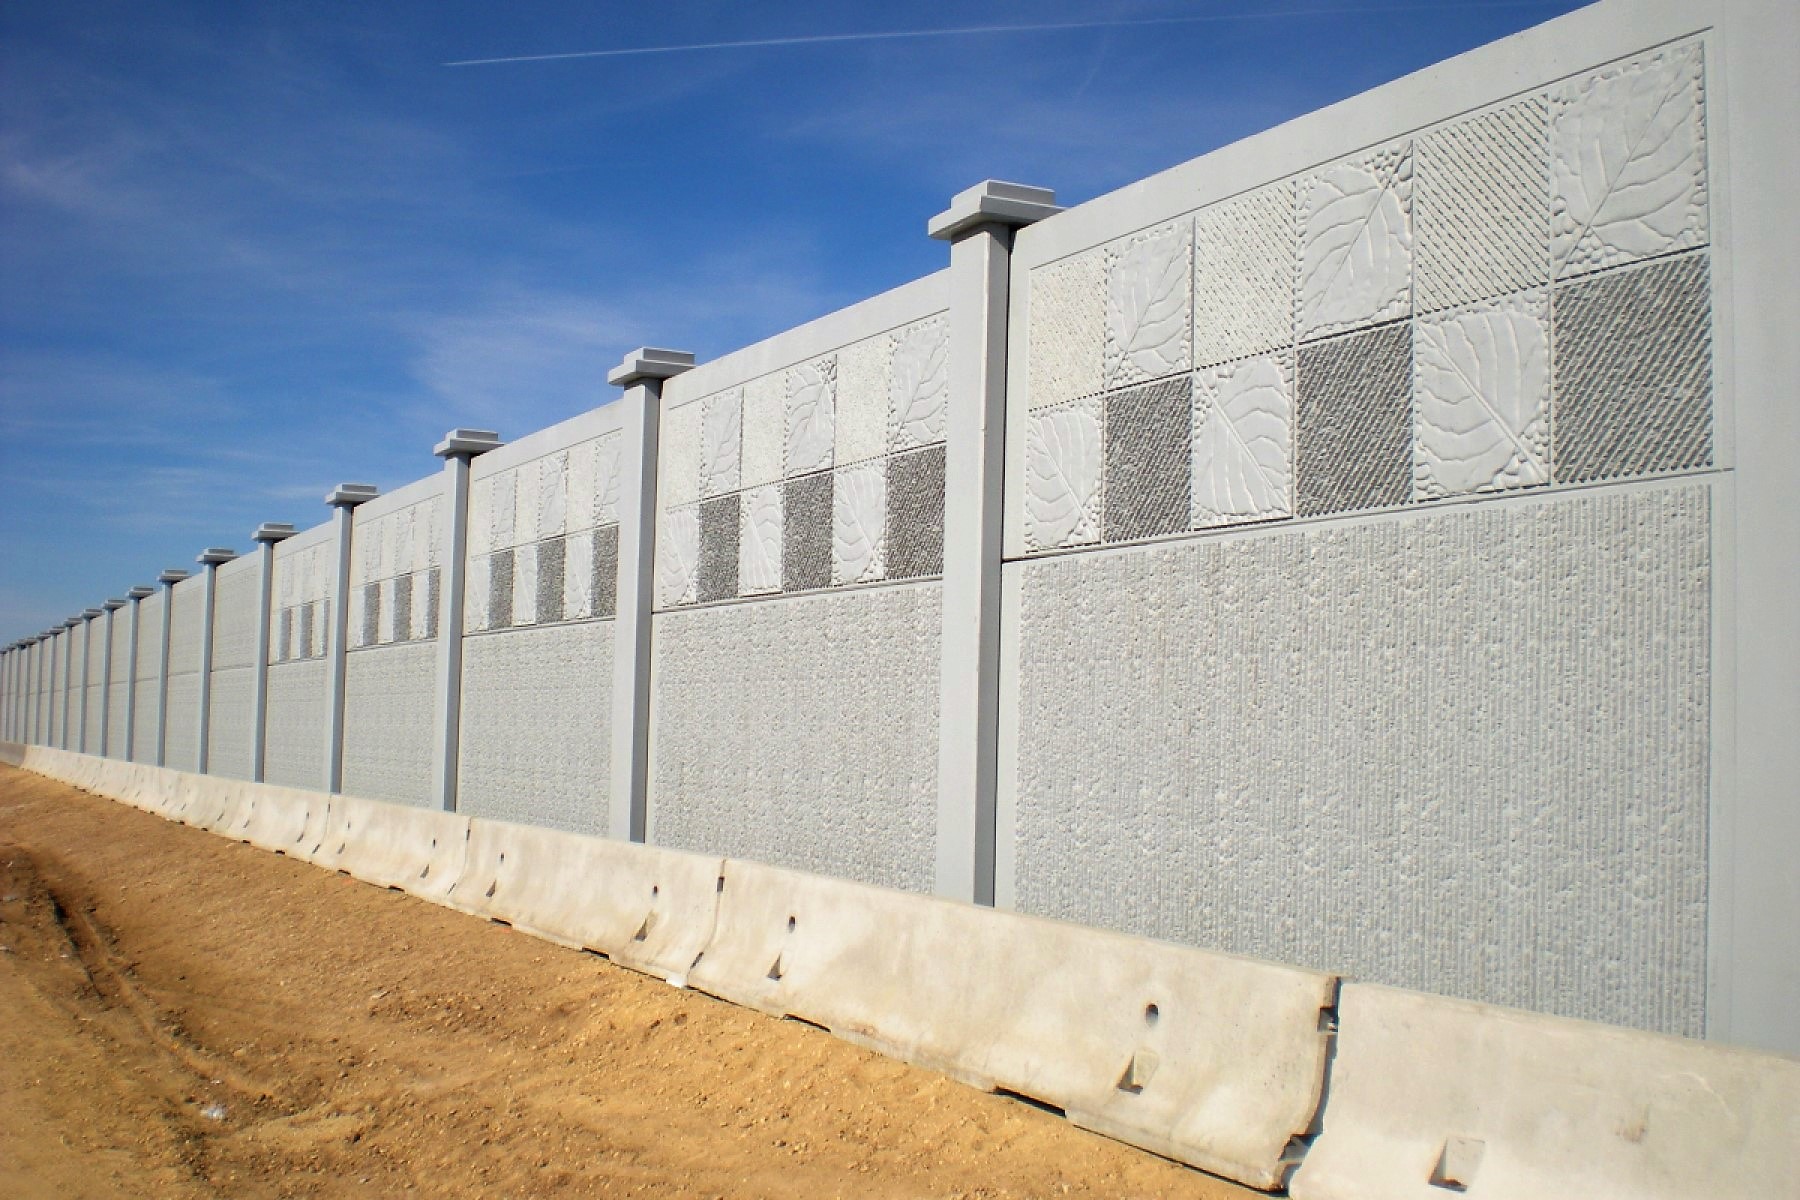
(641, 374)
(210, 558)
(266, 536)
(343, 500)
(457, 449)
(137, 596)
(88, 617)
(979, 226)
(112, 608)
(168, 579)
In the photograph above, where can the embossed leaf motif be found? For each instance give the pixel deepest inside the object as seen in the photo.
(1483, 391)
(606, 478)
(1147, 308)
(858, 515)
(678, 560)
(1062, 464)
(721, 427)
(553, 493)
(1243, 448)
(760, 568)
(1357, 253)
(811, 415)
(1628, 162)
(920, 384)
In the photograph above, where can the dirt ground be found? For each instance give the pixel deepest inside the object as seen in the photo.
(185, 1016)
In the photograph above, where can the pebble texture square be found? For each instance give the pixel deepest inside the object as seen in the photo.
(536, 743)
(1489, 723)
(1634, 371)
(1148, 459)
(806, 533)
(813, 744)
(1353, 430)
(863, 378)
(915, 514)
(606, 571)
(765, 438)
(500, 590)
(1065, 341)
(718, 548)
(390, 702)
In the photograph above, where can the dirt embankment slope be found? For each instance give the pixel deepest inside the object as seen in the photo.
(184, 1016)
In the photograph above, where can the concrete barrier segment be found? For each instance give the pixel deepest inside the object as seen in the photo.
(1211, 1059)
(279, 816)
(644, 907)
(415, 850)
(1432, 1096)
(12, 754)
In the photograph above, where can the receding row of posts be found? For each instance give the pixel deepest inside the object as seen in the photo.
(46, 705)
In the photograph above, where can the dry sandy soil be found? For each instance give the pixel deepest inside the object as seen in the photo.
(184, 1016)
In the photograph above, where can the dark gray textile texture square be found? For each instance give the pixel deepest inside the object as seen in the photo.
(500, 590)
(1353, 421)
(552, 555)
(718, 548)
(1149, 459)
(1632, 393)
(806, 532)
(915, 513)
(403, 588)
(606, 571)
(371, 615)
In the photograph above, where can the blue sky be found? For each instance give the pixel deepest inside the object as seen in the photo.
(250, 250)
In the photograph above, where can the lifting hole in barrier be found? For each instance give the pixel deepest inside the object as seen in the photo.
(1152, 1015)
(790, 924)
(655, 891)
(492, 888)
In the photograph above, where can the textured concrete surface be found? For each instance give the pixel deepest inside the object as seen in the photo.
(801, 732)
(295, 748)
(915, 514)
(1479, 215)
(1353, 422)
(1634, 371)
(806, 532)
(1243, 275)
(1464, 751)
(239, 588)
(181, 741)
(535, 741)
(146, 677)
(121, 685)
(389, 701)
(231, 726)
(1148, 460)
(94, 691)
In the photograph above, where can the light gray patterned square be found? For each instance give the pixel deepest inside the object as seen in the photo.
(1481, 206)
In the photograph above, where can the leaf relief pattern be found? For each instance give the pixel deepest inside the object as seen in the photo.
(1628, 163)
(1482, 400)
(721, 430)
(678, 558)
(858, 523)
(1356, 244)
(607, 462)
(919, 385)
(1062, 478)
(553, 494)
(759, 555)
(1149, 306)
(811, 415)
(1243, 443)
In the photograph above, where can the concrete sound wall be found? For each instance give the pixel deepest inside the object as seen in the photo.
(301, 604)
(799, 517)
(535, 740)
(231, 704)
(390, 681)
(119, 688)
(93, 693)
(1369, 546)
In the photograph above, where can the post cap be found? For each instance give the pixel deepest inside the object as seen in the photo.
(212, 556)
(91, 613)
(172, 576)
(113, 605)
(71, 622)
(349, 495)
(649, 362)
(141, 592)
(467, 442)
(273, 531)
(992, 202)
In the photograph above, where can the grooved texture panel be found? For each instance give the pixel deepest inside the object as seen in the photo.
(1354, 429)
(231, 726)
(147, 677)
(294, 753)
(802, 733)
(181, 743)
(535, 743)
(234, 613)
(390, 704)
(1464, 752)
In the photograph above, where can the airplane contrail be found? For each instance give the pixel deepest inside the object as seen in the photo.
(966, 30)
